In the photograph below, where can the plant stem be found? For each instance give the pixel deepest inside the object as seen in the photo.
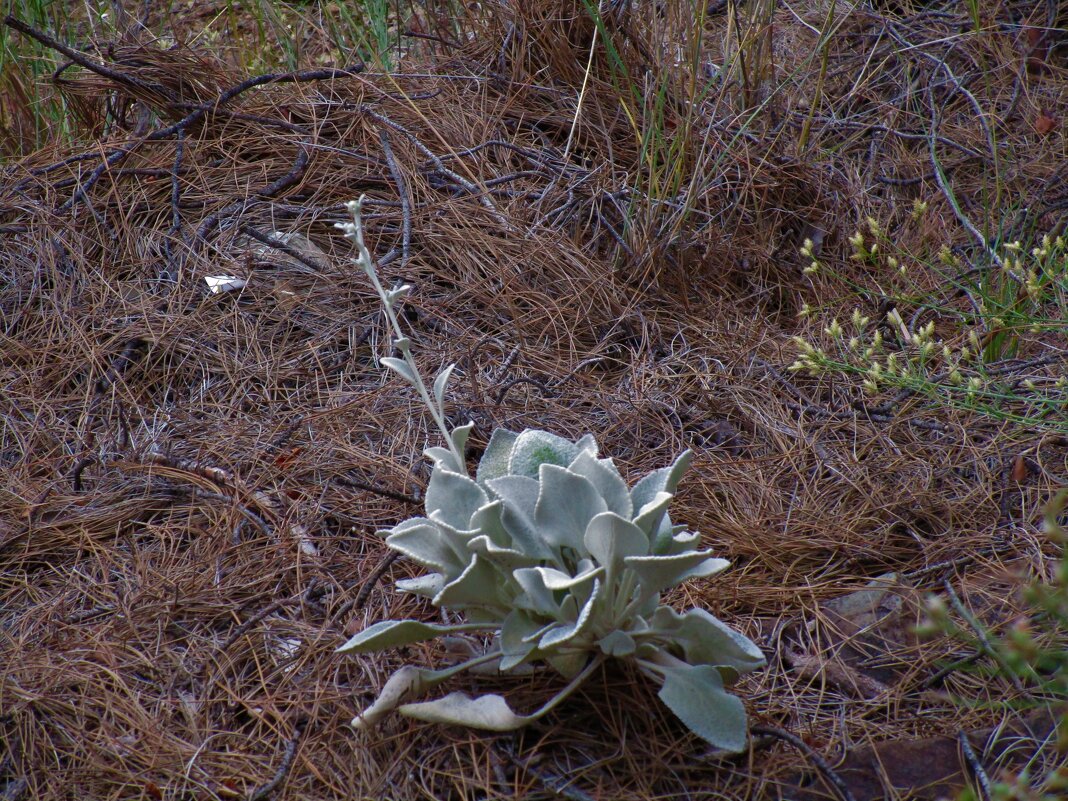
(355, 232)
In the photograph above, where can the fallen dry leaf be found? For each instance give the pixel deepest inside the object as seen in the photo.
(1019, 469)
(1045, 124)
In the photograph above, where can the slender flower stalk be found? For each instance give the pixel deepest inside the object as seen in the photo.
(354, 231)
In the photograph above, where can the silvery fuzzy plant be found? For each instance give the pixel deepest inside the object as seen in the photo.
(548, 551)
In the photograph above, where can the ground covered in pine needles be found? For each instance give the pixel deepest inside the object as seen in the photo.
(602, 225)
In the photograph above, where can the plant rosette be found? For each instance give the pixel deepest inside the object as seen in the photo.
(549, 556)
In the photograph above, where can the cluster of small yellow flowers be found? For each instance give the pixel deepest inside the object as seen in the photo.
(812, 359)
(1029, 293)
(808, 250)
(862, 351)
(861, 249)
(948, 257)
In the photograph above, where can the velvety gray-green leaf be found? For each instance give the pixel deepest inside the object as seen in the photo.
(476, 586)
(441, 383)
(604, 476)
(407, 682)
(488, 523)
(393, 294)
(518, 626)
(395, 633)
(562, 634)
(617, 643)
(658, 573)
(534, 448)
(454, 497)
(665, 479)
(423, 543)
(677, 542)
(706, 640)
(650, 516)
(444, 458)
(567, 503)
(587, 443)
(487, 712)
(568, 663)
(610, 539)
(399, 366)
(536, 596)
(559, 580)
(519, 495)
(494, 462)
(459, 437)
(696, 695)
(427, 586)
(504, 559)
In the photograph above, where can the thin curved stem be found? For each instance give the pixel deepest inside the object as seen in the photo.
(354, 231)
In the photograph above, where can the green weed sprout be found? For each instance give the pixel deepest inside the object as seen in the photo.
(549, 553)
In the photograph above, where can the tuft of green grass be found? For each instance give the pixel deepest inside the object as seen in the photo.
(31, 112)
(979, 346)
(262, 35)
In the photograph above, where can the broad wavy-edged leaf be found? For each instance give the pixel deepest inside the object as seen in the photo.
(569, 663)
(476, 586)
(651, 515)
(567, 503)
(706, 640)
(604, 476)
(498, 453)
(587, 443)
(454, 497)
(558, 635)
(617, 643)
(658, 573)
(487, 522)
(420, 540)
(444, 458)
(666, 479)
(457, 539)
(559, 580)
(395, 633)
(487, 712)
(696, 695)
(505, 559)
(426, 586)
(610, 539)
(515, 647)
(399, 366)
(679, 541)
(534, 448)
(519, 494)
(536, 596)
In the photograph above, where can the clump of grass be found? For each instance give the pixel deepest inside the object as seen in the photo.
(32, 114)
(987, 356)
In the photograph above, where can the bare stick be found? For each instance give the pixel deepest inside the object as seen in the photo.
(840, 787)
(405, 201)
(265, 790)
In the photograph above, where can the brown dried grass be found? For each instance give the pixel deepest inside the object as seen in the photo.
(166, 630)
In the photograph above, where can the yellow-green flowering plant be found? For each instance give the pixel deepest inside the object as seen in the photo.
(550, 556)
